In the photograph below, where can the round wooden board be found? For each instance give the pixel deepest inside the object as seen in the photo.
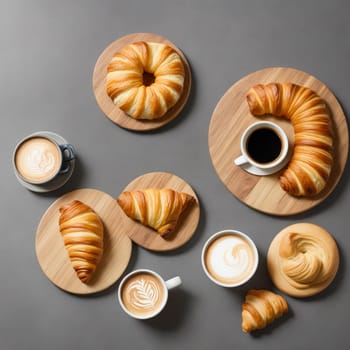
(53, 257)
(185, 229)
(231, 117)
(115, 114)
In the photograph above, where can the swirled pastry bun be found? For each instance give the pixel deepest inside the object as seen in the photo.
(145, 79)
(302, 260)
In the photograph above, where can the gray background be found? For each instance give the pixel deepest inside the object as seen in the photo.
(48, 52)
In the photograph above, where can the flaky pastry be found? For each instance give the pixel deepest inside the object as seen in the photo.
(302, 260)
(82, 232)
(261, 307)
(311, 163)
(145, 79)
(159, 209)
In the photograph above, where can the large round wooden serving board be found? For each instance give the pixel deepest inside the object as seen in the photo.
(186, 227)
(231, 117)
(105, 103)
(53, 257)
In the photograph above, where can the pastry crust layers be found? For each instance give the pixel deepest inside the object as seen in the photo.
(311, 163)
(302, 260)
(82, 232)
(145, 79)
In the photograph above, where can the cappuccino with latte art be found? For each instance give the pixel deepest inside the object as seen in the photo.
(39, 159)
(229, 258)
(143, 294)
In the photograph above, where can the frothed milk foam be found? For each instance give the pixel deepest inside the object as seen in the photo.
(142, 294)
(38, 159)
(230, 259)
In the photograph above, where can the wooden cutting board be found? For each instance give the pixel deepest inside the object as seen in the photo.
(185, 229)
(53, 257)
(231, 117)
(105, 103)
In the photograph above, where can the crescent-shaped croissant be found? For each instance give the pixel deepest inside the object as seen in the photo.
(310, 166)
(82, 232)
(260, 308)
(159, 209)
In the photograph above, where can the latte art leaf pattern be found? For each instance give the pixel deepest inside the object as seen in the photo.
(143, 294)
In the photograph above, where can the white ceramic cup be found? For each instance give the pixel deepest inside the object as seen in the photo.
(230, 258)
(57, 156)
(271, 166)
(147, 295)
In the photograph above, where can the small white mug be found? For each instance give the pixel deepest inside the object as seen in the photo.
(230, 258)
(264, 145)
(143, 293)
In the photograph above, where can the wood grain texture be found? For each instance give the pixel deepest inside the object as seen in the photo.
(186, 227)
(107, 106)
(53, 257)
(231, 117)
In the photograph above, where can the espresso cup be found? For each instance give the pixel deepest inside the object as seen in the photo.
(143, 294)
(229, 258)
(38, 159)
(264, 145)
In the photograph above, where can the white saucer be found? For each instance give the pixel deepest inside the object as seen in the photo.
(251, 169)
(57, 182)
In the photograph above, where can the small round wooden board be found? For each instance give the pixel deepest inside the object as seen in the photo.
(186, 227)
(231, 117)
(53, 257)
(107, 106)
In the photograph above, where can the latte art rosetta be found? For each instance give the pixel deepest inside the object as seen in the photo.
(143, 294)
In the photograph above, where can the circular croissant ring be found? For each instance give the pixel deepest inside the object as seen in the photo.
(145, 79)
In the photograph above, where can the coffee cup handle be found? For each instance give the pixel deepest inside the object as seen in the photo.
(173, 282)
(241, 160)
(67, 155)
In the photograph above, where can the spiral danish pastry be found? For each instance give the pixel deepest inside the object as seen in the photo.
(145, 79)
(302, 260)
(310, 166)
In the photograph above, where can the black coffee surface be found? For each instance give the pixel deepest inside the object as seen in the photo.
(264, 145)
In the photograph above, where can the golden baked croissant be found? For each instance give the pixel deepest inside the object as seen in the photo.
(260, 308)
(311, 163)
(82, 232)
(145, 79)
(159, 209)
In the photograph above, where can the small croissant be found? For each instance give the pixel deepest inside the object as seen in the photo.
(260, 308)
(82, 232)
(159, 209)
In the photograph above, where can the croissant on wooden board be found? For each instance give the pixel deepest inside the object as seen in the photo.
(311, 163)
(82, 232)
(260, 308)
(145, 79)
(159, 209)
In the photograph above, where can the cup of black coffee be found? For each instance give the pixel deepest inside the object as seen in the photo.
(264, 145)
